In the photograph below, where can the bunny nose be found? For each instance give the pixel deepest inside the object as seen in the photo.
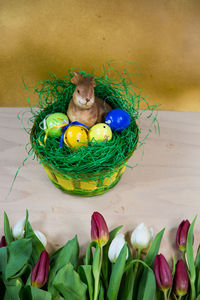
(87, 99)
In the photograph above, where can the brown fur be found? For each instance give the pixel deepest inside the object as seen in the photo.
(84, 107)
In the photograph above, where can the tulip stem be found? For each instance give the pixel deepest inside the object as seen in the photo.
(193, 291)
(165, 294)
(96, 285)
(136, 265)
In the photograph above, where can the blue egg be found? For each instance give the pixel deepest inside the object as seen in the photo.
(118, 119)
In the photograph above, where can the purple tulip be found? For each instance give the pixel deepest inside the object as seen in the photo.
(180, 279)
(40, 272)
(162, 273)
(181, 235)
(3, 242)
(99, 229)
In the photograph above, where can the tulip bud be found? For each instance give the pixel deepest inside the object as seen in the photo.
(181, 235)
(141, 237)
(99, 229)
(116, 246)
(40, 272)
(18, 230)
(162, 273)
(41, 237)
(180, 279)
(3, 242)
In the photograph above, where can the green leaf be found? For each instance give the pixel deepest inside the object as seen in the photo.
(7, 230)
(198, 280)
(13, 288)
(198, 298)
(106, 265)
(190, 259)
(68, 254)
(25, 269)
(153, 251)
(85, 272)
(197, 260)
(37, 245)
(3, 259)
(38, 294)
(189, 250)
(67, 282)
(116, 275)
(101, 292)
(19, 254)
(127, 289)
(33, 293)
(88, 260)
(147, 286)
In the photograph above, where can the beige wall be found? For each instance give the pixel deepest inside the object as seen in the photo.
(162, 37)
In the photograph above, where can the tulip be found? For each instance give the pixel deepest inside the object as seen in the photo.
(180, 279)
(181, 235)
(41, 237)
(141, 237)
(18, 230)
(116, 246)
(3, 242)
(99, 229)
(162, 273)
(40, 272)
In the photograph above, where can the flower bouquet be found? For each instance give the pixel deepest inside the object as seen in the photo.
(110, 269)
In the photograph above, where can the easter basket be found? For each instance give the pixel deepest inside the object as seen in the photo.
(98, 167)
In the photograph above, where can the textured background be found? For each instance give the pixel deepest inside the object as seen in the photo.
(162, 37)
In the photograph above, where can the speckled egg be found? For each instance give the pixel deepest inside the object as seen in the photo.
(100, 132)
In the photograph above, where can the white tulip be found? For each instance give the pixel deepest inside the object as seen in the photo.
(141, 237)
(116, 246)
(18, 230)
(41, 237)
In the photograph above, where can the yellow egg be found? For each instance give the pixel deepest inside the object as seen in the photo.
(76, 136)
(100, 132)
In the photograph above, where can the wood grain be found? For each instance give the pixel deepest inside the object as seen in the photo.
(161, 191)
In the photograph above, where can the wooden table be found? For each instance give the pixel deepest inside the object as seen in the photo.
(161, 191)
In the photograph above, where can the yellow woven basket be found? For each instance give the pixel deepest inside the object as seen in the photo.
(82, 187)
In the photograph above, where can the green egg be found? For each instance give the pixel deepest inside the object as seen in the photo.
(53, 120)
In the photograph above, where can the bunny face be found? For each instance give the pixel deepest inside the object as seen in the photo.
(83, 96)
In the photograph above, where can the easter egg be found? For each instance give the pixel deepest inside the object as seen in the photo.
(76, 136)
(100, 132)
(118, 119)
(54, 120)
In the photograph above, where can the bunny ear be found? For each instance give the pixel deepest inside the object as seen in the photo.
(91, 79)
(76, 78)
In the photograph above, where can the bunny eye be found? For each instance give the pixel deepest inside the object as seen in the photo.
(78, 91)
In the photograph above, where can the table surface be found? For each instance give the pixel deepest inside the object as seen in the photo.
(161, 191)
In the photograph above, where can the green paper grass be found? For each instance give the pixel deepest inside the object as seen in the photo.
(95, 160)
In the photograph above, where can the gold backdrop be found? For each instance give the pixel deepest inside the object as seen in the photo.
(39, 37)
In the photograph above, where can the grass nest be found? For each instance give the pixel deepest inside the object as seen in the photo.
(94, 159)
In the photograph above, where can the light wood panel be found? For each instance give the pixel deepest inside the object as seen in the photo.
(161, 191)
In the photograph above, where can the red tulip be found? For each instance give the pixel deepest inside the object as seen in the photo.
(162, 273)
(180, 279)
(3, 242)
(99, 229)
(181, 235)
(40, 272)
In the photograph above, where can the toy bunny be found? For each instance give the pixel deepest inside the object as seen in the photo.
(84, 107)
